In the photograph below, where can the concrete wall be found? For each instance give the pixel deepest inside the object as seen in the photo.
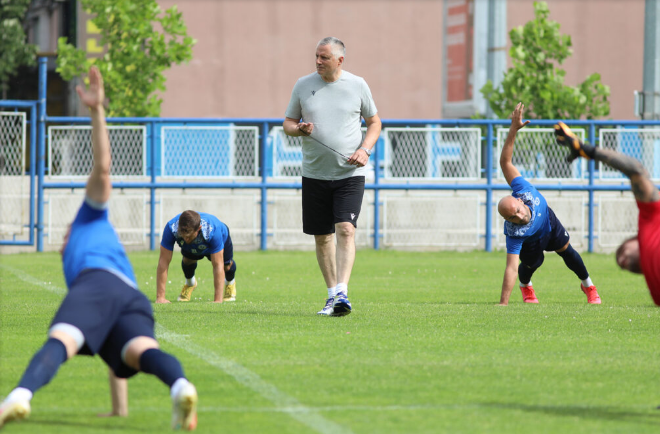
(250, 52)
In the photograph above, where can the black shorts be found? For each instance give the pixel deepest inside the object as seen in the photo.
(532, 251)
(325, 203)
(109, 313)
(227, 255)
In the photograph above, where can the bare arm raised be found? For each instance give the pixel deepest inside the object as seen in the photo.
(98, 185)
(640, 181)
(508, 169)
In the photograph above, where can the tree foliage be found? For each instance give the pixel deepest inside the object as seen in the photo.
(14, 49)
(536, 49)
(137, 53)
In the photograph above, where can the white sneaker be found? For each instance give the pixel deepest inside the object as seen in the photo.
(184, 409)
(327, 310)
(15, 410)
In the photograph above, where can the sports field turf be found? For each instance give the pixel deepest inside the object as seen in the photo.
(426, 349)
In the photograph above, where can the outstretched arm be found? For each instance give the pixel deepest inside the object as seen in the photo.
(640, 182)
(98, 184)
(508, 169)
(161, 274)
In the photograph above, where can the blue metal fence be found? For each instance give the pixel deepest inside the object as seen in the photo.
(154, 128)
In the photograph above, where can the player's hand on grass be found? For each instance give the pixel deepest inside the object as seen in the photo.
(112, 414)
(516, 117)
(162, 300)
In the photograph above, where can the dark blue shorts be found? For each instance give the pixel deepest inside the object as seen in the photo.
(532, 251)
(227, 255)
(326, 203)
(109, 313)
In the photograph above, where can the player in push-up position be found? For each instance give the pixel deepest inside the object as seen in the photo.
(641, 253)
(531, 228)
(103, 312)
(200, 236)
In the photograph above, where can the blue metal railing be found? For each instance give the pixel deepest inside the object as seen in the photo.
(265, 125)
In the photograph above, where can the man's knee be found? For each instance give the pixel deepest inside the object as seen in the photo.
(134, 348)
(345, 230)
(322, 240)
(69, 335)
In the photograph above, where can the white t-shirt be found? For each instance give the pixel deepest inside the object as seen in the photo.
(336, 110)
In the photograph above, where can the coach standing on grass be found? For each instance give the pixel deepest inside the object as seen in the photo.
(326, 108)
(531, 228)
(641, 253)
(103, 312)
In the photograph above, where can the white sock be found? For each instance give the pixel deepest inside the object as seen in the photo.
(176, 387)
(19, 394)
(191, 281)
(331, 292)
(524, 285)
(229, 283)
(587, 282)
(341, 287)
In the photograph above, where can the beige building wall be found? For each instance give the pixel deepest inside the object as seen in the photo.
(250, 52)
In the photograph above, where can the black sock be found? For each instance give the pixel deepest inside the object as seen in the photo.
(164, 366)
(574, 261)
(229, 275)
(189, 269)
(44, 365)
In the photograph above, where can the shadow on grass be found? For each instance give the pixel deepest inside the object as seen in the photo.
(49, 424)
(651, 416)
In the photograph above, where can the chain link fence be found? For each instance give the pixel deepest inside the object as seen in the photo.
(210, 151)
(642, 144)
(14, 179)
(70, 151)
(432, 153)
(537, 156)
(409, 218)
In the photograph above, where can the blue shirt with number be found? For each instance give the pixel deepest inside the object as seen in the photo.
(93, 243)
(211, 239)
(539, 223)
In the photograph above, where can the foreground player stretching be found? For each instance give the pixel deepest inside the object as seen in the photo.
(641, 253)
(103, 312)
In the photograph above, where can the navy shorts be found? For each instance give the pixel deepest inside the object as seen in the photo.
(325, 203)
(109, 313)
(532, 251)
(227, 256)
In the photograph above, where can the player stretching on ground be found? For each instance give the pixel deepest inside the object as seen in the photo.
(531, 227)
(103, 312)
(641, 253)
(200, 236)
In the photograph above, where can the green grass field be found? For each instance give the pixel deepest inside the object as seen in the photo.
(426, 350)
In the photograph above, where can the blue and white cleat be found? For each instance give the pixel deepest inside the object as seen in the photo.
(327, 309)
(341, 306)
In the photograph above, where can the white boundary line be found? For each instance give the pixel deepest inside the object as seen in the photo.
(284, 403)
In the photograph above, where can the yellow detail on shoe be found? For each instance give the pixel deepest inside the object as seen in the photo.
(186, 291)
(10, 411)
(230, 292)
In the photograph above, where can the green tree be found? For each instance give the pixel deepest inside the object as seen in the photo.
(14, 49)
(137, 53)
(536, 49)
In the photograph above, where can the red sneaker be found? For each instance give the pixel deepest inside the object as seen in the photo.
(592, 294)
(528, 294)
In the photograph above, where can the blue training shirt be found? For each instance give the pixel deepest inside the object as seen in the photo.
(211, 239)
(93, 243)
(539, 223)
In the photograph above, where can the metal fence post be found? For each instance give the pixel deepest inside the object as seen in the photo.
(41, 149)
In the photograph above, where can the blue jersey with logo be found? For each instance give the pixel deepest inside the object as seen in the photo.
(539, 223)
(93, 243)
(211, 239)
